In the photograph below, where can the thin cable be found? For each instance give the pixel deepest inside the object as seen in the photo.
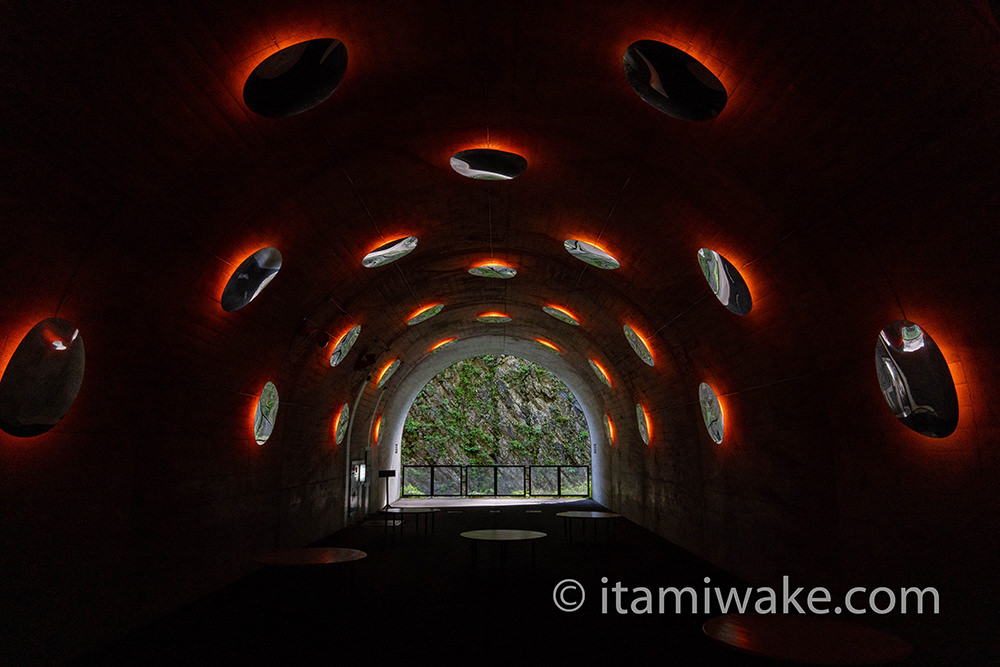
(489, 217)
(755, 387)
(381, 235)
(607, 220)
(614, 206)
(339, 307)
(363, 204)
(407, 283)
(83, 257)
(777, 382)
(850, 223)
(682, 313)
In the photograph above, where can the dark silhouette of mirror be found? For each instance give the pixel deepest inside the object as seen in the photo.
(673, 81)
(915, 380)
(42, 378)
(296, 79)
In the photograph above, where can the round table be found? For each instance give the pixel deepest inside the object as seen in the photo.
(502, 536)
(315, 557)
(311, 556)
(584, 517)
(807, 639)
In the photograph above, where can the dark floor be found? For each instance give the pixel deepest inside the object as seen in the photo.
(416, 600)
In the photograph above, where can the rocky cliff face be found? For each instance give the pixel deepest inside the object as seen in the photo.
(495, 410)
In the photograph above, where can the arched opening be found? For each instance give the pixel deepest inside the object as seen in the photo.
(495, 425)
(402, 394)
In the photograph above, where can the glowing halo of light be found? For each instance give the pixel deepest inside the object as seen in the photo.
(673, 81)
(441, 343)
(725, 281)
(387, 373)
(711, 412)
(493, 317)
(344, 344)
(561, 314)
(296, 78)
(42, 378)
(488, 164)
(645, 427)
(493, 270)
(639, 345)
(915, 380)
(340, 424)
(250, 278)
(600, 371)
(591, 253)
(265, 414)
(424, 314)
(548, 345)
(387, 253)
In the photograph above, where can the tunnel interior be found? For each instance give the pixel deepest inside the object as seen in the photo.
(758, 234)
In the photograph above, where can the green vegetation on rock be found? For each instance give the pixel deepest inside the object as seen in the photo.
(495, 410)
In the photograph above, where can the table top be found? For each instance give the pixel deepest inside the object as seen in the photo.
(808, 639)
(588, 515)
(411, 510)
(502, 534)
(312, 556)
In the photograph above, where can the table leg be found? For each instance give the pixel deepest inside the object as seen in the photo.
(350, 581)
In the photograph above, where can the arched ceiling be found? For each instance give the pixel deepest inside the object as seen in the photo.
(139, 173)
(142, 179)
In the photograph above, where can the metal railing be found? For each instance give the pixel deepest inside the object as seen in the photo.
(496, 481)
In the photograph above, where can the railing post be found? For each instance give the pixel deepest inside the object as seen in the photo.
(559, 481)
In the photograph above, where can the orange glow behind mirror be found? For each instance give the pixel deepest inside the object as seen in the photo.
(649, 424)
(421, 311)
(564, 311)
(644, 341)
(441, 344)
(341, 337)
(604, 372)
(336, 424)
(382, 373)
(547, 344)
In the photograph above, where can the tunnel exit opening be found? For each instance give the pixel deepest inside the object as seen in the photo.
(495, 426)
